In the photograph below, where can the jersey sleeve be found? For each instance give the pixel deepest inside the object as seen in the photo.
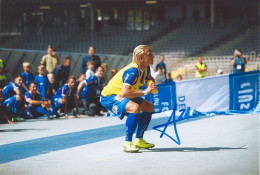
(14, 86)
(27, 96)
(89, 80)
(64, 90)
(130, 76)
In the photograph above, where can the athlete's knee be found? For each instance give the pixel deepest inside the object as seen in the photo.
(62, 101)
(18, 98)
(136, 108)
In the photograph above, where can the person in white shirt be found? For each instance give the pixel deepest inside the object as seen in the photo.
(159, 76)
(90, 72)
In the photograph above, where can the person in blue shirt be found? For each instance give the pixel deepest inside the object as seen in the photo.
(162, 65)
(91, 89)
(13, 97)
(37, 105)
(61, 72)
(169, 79)
(90, 57)
(238, 62)
(66, 96)
(42, 81)
(28, 77)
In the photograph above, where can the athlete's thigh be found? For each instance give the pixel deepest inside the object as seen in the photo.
(132, 107)
(147, 106)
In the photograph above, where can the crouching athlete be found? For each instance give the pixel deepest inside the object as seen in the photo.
(122, 96)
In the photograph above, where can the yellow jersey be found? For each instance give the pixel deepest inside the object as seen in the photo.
(131, 75)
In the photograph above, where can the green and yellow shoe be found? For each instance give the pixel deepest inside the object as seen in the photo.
(141, 143)
(130, 148)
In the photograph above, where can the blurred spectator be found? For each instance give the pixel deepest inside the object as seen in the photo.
(159, 76)
(56, 56)
(238, 62)
(90, 72)
(3, 110)
(90, 57)
(28, 77)
(49, 60)
(179, 77)
(3, 71)
(169, 79)
(66, 97)
(201, 68)
(113, 72)
(81, 78)
(37, 105)
(61, 72)
(52, 89)
(105, 67)
(219, 72)
(42, 81)
(162, 65)
(94, 86)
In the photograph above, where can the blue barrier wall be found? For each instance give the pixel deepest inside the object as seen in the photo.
(234, 92)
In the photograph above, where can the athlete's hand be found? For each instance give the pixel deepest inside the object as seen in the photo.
(151, 78)
(78, 115)
(67, 116)
(150, 88)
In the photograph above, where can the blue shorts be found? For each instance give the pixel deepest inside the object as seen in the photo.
(10, 104)
(56, 102)
(117, 104)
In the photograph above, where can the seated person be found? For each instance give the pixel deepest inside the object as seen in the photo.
(81, 78)
(3, 116)
(94, 86)
(37, 105)
(66, 97)
(13, 97)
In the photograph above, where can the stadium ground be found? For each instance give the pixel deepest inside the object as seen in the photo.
(93, 146)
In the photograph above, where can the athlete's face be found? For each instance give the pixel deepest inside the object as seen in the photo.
(100, 72)
(41, 71)
(91, 51)
(19, 81)
(33, 88)
(148, 56)
(26, 69)
(51, 79)
(72, 83)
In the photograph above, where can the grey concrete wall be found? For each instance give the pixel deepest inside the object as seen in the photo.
(14, 59)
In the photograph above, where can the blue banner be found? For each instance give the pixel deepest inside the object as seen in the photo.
(244, 90)
(165, 99)
(234, 93)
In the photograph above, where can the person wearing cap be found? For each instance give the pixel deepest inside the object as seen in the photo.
(219, 72)
(238, 62)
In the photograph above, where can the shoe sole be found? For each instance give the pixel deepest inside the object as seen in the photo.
(145, 147)
(131, 151)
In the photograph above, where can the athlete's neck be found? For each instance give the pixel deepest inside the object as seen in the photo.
(143, 67)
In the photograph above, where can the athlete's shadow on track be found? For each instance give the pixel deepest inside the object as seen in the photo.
(19, 130)
(192, 149)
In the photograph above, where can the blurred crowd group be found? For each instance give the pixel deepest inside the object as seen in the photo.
(52, 93)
